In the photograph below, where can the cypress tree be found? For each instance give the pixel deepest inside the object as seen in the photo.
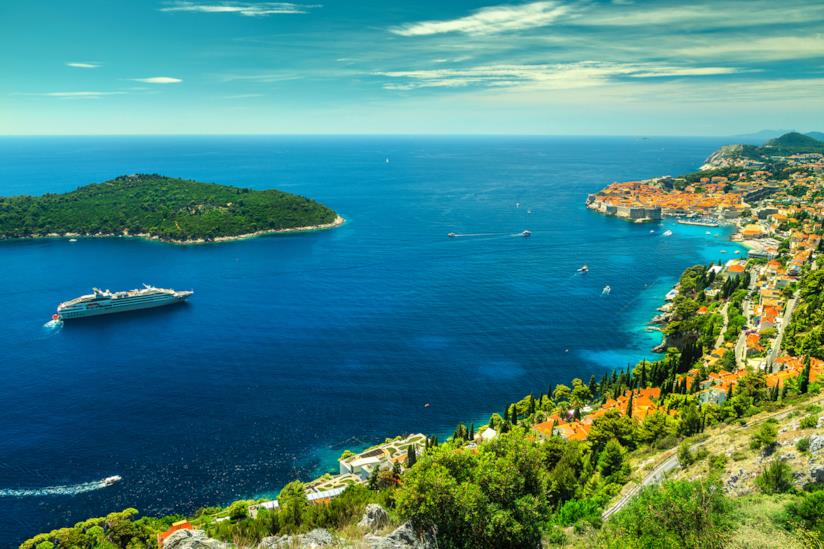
(629, 404)
(804, 381)
(643, 381)
(471, 432)
(592, 386)
(411, 456)
(514, 417)
(531, 404)
(729, 392)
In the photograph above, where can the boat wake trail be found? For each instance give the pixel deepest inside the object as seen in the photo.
(66, 490)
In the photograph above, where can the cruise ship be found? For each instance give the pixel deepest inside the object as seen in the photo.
(104, 302)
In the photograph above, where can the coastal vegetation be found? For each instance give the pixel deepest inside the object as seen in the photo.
(159, 207)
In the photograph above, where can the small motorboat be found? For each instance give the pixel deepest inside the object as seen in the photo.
(606, 291)
(517, 204)
(583, 269)
(707, 232)
(72, 240)
(427, 405)
(652, 231)
(737, 252)
(668, 233)
(526, 234)
(452, 235)
(723, 251)
(108, 481)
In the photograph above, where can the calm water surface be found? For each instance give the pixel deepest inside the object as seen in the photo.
(295, 348)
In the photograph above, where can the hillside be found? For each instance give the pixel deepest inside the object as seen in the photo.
(154, 206)
(792, 143)
(749, 156)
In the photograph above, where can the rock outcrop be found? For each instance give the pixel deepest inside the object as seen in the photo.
(193, 539)
(404, 537)
(311, 540)
(374, 518)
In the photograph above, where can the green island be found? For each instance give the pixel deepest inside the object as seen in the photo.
(717, 443)
(161, 208)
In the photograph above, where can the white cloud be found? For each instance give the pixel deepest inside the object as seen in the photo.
(544, 76)
(490, 20)
(158, 80)
(718, 14)
(78, 65)
(760, 49)
(76, 94)
(247, 9)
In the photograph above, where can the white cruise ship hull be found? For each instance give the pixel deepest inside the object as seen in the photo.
(105, 303)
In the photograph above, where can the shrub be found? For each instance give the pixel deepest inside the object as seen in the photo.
(809, 422)
(555, 536)
(679, 514)
(808, 512)
(776, 478)
(765, 436)
(576, 510)
(803, 444)
(685, 457)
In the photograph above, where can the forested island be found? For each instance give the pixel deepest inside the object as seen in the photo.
(162, 208)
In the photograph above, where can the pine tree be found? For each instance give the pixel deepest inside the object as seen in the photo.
(643, 381)
(514, 417)
(593, 386)
(373, 477)
(531, 405)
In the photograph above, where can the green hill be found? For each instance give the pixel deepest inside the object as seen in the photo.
(160, 207)
(791, 143)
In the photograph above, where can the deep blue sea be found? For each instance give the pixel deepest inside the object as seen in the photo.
(294, 348)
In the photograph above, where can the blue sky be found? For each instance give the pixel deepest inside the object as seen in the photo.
(332, 66)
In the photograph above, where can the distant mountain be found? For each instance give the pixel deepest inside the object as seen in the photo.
(791, 143)
(816, 135)
(759, 137)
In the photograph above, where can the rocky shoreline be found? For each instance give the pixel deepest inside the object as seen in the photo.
(148, 236)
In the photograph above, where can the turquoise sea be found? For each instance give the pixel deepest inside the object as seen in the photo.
(297, 347)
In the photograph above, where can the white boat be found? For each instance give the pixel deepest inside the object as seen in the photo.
(723, 251)
(451, 235)
(72, 240)
(517, 204)
(387, 160)
(526, 234)
(737, 251)
(529, 211)
(651, 231)
(583, 269)
(668, 233)
(108, 481)
(707, 232)
(606, 291)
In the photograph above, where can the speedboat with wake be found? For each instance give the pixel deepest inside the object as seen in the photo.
(108, 481)
(583, 268)
(526, 234)
(667, 233)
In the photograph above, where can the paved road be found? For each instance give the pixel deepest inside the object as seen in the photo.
(671, 462)
(720, 340)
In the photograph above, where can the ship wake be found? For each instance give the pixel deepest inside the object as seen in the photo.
(63, 490)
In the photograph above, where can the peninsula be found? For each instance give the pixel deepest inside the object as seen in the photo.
(729, 183)
(162, 208)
